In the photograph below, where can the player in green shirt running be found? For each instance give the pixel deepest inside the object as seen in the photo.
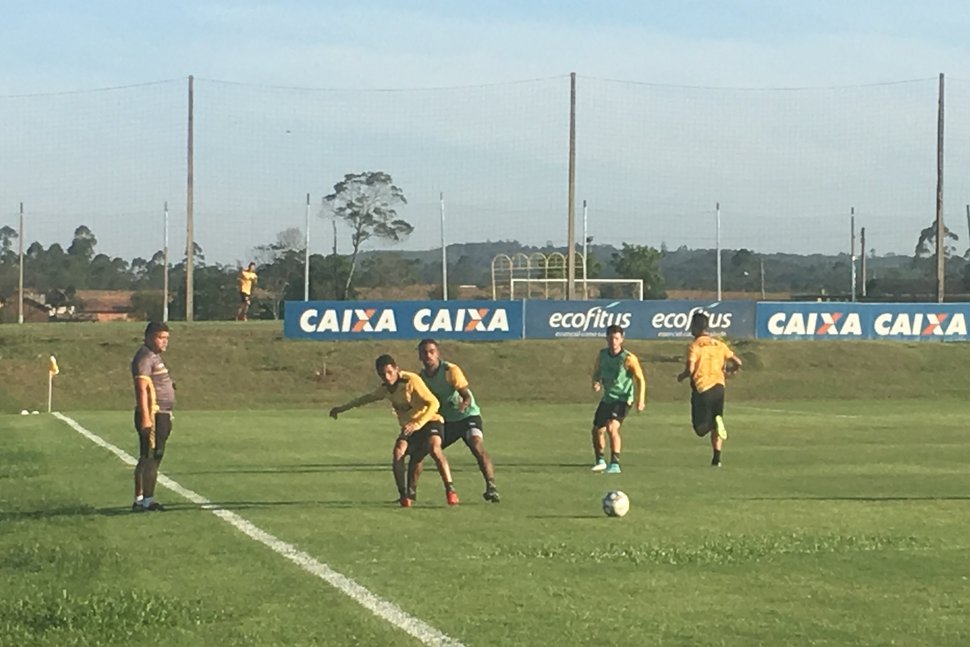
(616, 373)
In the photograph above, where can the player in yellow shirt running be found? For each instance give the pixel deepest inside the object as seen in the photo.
(708, 361)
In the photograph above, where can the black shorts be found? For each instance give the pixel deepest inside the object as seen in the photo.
(607, 411)
(704, 406)
(464, 429)
(152, 441)
(243, 297)
(418, 440)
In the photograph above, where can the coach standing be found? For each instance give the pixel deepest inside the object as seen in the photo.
(154, 401)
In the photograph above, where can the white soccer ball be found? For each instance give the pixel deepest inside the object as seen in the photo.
(616, 504)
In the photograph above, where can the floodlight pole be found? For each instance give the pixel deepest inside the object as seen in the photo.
(20, 280)
(940, 227)
(852, 247)
(190, 210)
(717, 244)
(165, 264)
(306, 254)
(585, 252)
(571, 224)
(862, 250)
(444, 249)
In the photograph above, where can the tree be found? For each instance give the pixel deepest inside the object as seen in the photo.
(367, 203)
(83, 244)
(641, 262)
(926, 245)
(7, 236)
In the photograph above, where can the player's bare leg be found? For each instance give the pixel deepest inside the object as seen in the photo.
(599, 444)
(415, 467)
(616, 444)
(477, 447)
(400, 472)
(438, 455)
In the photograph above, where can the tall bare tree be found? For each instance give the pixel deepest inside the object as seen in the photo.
(368, 203)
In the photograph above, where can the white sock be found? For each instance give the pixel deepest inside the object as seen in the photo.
(139, 498)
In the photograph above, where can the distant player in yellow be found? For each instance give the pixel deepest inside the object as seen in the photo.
(616, 372)
(421, 426)
(708, 361)
(247, 280)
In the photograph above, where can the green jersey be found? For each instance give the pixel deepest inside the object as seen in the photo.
(445, 384)
(619, 374)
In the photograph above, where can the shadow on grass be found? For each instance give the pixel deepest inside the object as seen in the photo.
(861, 499)
(309, 468)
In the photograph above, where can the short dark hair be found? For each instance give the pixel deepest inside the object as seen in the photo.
(155, 327)
(615, 328)
(700, 321)
(384, 361)
(427, 341)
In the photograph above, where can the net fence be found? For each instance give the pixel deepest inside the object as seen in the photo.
(786, 166)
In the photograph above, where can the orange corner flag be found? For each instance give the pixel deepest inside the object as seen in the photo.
(53, 366)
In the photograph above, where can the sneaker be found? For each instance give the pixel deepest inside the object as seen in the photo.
(715, 462)
(491, 495)
(614, 468)
(451, 497)
(155, 506)
(406, 502)
(137, 507)
(600, 465)
(721, 429)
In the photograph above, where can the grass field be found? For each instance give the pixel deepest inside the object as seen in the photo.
(833, 522)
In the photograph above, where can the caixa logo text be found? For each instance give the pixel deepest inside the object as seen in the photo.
(681, 320)
(426, 320)
(597, 318)
(815, 323)
(920, 324)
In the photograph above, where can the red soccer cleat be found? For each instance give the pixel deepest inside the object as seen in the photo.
(451, 497)
(405, 502)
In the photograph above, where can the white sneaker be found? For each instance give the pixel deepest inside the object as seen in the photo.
(600, 466)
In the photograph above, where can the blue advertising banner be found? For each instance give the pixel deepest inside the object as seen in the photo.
(832, 320)
(468, 320)
(639, 319)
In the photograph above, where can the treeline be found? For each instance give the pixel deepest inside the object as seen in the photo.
(59, 273)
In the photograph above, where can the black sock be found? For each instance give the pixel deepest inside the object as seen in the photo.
(449, 487)
(615, 458)
(490, 484)
(717, 456)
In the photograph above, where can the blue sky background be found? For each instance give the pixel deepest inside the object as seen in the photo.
(110, 158)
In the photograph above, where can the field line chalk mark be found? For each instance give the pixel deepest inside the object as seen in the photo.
(383, 609)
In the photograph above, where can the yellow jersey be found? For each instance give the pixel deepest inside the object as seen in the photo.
(706, 357)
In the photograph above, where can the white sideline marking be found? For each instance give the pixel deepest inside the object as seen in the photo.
(377, 605)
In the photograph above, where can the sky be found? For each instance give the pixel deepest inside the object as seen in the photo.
(49, 50)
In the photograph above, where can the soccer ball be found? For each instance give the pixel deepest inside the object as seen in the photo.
(616, 504)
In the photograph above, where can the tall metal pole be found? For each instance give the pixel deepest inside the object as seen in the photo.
(189, 213)
(444, 250)
(717, 245)
(571, 234)
(940, 228)
(165, 265)
(20, 280)
(585, 252)
(862, 250)
(306, 254)
(852, 248)
(763, 279)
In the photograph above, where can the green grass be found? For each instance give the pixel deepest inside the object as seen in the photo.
(833, 522)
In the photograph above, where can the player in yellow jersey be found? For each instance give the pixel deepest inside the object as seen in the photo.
(708, 361)
(421, 426)
(247, 279)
